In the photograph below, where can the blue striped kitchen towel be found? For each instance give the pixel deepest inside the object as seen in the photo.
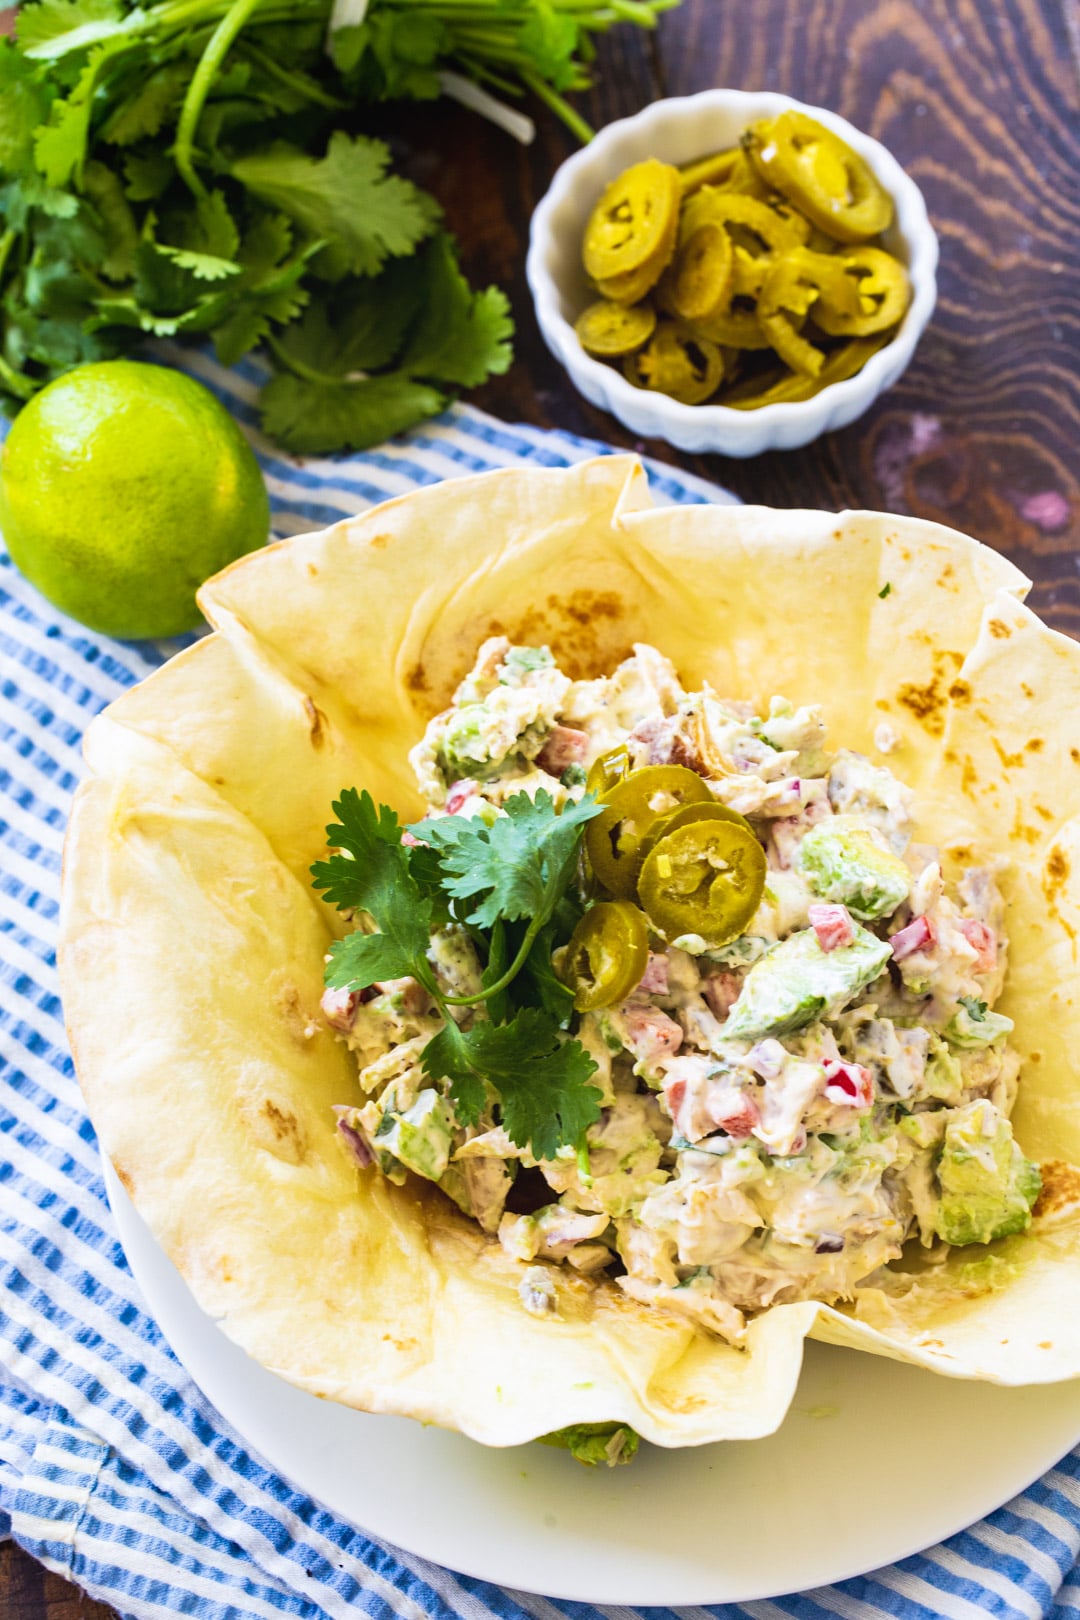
(114, 1469)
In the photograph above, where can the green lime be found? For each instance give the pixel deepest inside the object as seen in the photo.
(122, 487)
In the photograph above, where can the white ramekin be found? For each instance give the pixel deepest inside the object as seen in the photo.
(678, 130)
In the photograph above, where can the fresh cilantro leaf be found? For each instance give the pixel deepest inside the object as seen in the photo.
(147, 174)
(50, 28)
(359, 326)
(105, 191)
(520, 865)
(550, 39)
(462, 336)
(312, 418)
(976, 1008)
(360, 959)
(542, 1081)
(147, 108)
(345, 198)
(203, 266)
(24, 104)
(60, 146)
(450, 1055)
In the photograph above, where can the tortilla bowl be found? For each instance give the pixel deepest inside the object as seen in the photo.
(192, 944)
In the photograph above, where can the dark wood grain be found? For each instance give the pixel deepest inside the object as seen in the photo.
(980, 100)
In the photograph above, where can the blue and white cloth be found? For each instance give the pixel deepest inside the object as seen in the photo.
(114, 1469)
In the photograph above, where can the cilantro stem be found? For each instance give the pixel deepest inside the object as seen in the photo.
(573, 120)
(217, 48)
(511, 973)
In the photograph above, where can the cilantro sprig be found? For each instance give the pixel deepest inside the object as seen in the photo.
(508, 884)
(191, 167)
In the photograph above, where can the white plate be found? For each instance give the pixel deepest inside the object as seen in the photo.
(677, 1527)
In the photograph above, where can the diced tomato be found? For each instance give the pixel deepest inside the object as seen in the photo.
(848, 1083)
(982, 940)
(919, 935)
(563, 746)
(832, 925)
(459, 792)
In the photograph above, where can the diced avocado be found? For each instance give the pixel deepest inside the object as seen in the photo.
(595, 1443)
(987, 1186)
(421, 1137)
(466, 745)
(944, 1077)
(845, 866)
(797, 981)
(521, 661)
(973, 1024)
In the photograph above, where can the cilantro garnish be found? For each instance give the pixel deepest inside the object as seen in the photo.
(508, 885)
(975, 1007)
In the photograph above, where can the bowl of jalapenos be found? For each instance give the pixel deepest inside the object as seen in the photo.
(733, 271)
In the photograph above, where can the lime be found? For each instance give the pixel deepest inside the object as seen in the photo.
(122, 487)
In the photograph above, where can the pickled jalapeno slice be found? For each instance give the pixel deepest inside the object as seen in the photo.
(883, 293)
(606, 328)
(638, 211)
(702, 272)
(631, 806)
(607, 769)
(704, 878)
(795, 284)
(607, 954)
(685, 813)
(679, 362)
(714, 170)
(821, 174)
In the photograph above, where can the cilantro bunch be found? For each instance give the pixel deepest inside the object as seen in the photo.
(194, 167)
(510, 885)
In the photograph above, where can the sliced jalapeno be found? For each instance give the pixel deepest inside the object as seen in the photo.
(631, 806)
(714, 170)
(751, 223)
(882, 289)
(713, 811)
(679, 362)
(607, 769)
(702, 272)
(607, 329)
(821, 174)
(607, 954)
(788, 388)
(632, 286)
(704, 878)
(637, 212)
(795, 283)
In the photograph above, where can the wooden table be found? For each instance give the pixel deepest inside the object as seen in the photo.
(979, 101)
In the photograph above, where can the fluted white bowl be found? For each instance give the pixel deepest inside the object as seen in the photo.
(679, 130)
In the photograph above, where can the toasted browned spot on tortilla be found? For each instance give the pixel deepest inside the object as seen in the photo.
(960, 692)
(1045, 1344)
(1023, 829)
(1034, 1057)
(927, 702)
(883, 703)
(316, 721)
(998, 628)
(1035, 745)
(1055, 874)
(1041, 810)
(284, 1123)
(378, 541)
(1009, 761)
(1074, 755)
(933, 1344)
(219, 781)
(404, 1345)
(1026, 689)
(416, 679)
(1060, 1188)
(969, 780)
(946, 578)
(312, 570)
